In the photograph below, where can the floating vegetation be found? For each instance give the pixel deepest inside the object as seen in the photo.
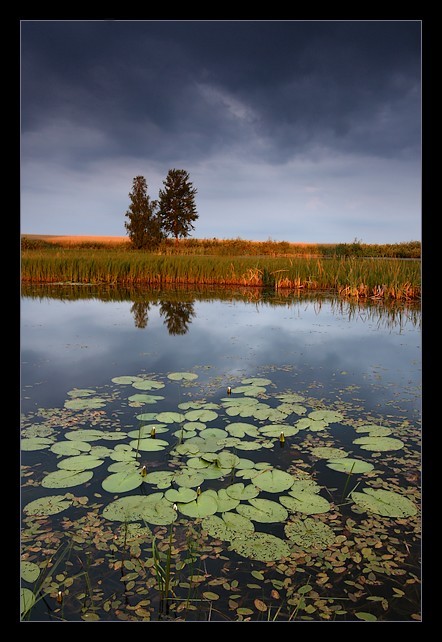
(191, 504)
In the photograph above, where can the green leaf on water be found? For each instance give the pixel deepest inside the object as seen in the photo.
(189, 479)
(224, 501)
(182, 495)
(202, 506)
(145, 431)
(70, 447)
(368, 617)
(260, 546)
(79, 462)
(384, 502)
(329, 416)
(150, 508)
(27, 600)
(242, 492)
(274, 430)
(256, 381)
(170, 417)
(350, 465)
(310, 533)
(240, 429)
(50, 505)
(81, 392)
(273, 481)
(182, 376)
(147, 416)
(29, 571)
(122, 482)
(148, 384)
(263, 510)
(374, 430)
(85, 403)
(249, 390)
(66, 478)
(160, 478)
(228, 526)
(306, 502)
(36, 443)
(148, 444)
(126, 379)
(140, 398)
(201, 415)
(213, 433)
(379, 444)
(327, 452)
(90, 434)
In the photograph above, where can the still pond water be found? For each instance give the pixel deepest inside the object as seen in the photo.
(219, 456)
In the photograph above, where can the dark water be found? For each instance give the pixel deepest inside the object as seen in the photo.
(362, 361)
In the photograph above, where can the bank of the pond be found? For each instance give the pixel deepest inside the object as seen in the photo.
(386, 279)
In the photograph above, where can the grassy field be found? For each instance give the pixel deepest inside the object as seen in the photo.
(355, 272)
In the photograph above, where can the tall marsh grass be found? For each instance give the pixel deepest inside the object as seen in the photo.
(348, 276)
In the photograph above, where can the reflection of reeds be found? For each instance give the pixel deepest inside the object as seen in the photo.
(395, 279)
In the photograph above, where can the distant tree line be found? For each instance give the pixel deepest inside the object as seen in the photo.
(173, 214)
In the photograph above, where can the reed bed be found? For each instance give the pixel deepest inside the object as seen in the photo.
(348, 276)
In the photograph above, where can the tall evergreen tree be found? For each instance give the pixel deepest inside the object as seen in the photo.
(144, 225)
(177, 208)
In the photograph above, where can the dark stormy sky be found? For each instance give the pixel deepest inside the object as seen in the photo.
(305, 131)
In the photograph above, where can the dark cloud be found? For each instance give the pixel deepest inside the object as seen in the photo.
(152, 86)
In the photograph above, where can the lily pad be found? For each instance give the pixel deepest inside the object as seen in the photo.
(91, 434)
(87, 403)
(330, 416)
(251, 390)
(213, 433)
(50, 505)
(310, 533)
(150, 508)
(240, 429)
(229, 526)
(257, 381)
(149, 444)
(27, 600)
(123, 452)
(310, 423)
(350, 465)
(374, 430)
(148, 384)
(36, 443)
(147, 416)
(80, 462)
(189, 479)
(274, 430)
(202, 506)
(273, 481)
(305, 502)
(224, 501)
(160, 478)
(66, 478)
(81, 392)
(126, 379)
(328, 452)
(263, 510)
(29, 571)
(201, 415)
(70, 447)
(242, 492)
(182, 495)
(170, 417)
(379, 444)
(145, 431)
(260, 546)
(140, 398)
(182, 376)
(384, 502)
(122, 482)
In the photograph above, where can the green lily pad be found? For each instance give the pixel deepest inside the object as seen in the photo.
(240, 429)
(122, 482)
(140, 398)
(160, 478)
(147, 416)
(327, 452)
(182, 495)
(126, 379)
(249, 390)
(384, 502)
(170, 417)
(123, 452)
(150, 508)
(379, 444)
(330, 416)
(148, 444)
(260, 546)
(186, 449)
(309, 423)
(81, 392)
(27, 600)
(148, 384)
(350, 465)
(29, 571)
(145, 431)
(86, 403)
(263, 510)
(224, 501)
(202, 506)
(80, 462)
(257, 381)
(201, 415)
(189, 479)
(249, 445)
(374, 430)
(70, 447)
(274, 430)
(50, 505)
(66, 478)
(180, 376)
(213, 433)
(269, 414)
(290, 397)
(36, 443)
(241, 491)
(273, 481)
(227, 527)
(310, 533)
(290, 409)
(90, 434)
(132, 532)
(125, 466)
(193, 426)
(305, 502)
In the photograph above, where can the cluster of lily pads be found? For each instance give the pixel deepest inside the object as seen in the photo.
(190, 462)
